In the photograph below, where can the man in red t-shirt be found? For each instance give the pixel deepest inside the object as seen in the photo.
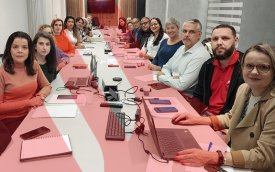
(220, 76)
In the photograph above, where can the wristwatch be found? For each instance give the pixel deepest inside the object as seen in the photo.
(221, 158)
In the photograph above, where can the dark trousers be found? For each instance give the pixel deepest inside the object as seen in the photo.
(12, 123)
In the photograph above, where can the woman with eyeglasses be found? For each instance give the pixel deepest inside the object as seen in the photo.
(250, 122)
(151, 46)
(22, 83)
(62, 58)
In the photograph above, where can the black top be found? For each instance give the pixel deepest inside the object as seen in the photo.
(203, 88)
(49, 76)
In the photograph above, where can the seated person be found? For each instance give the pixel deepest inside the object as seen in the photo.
(250, 122)
(167, 47)
(216, 93)
(85, 31)
(45, 54)
(62, 58)
(122, 24)
(61, 39)
(130, 34)
(182, 70)
(136, 23)
(142, 35)
(22, 83)
(72, 32)
(150, 48)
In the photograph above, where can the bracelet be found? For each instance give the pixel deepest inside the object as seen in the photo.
(221, 158)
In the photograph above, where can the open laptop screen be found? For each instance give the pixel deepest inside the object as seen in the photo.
(151, 124)
(93, 67)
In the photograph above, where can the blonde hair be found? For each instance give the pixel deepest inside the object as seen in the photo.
(44, 26)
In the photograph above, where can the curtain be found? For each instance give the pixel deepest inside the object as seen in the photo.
(35, 19)
(128, 8)
(75, 8)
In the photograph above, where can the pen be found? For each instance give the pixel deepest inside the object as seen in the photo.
(209, 146)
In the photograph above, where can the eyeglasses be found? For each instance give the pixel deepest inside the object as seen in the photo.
(144, 23)
(189, 31)
(154, 24)
(261, 68)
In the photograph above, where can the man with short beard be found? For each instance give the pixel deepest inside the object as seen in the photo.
(221, 75)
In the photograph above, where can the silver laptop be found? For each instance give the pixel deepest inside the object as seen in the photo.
(169, 141)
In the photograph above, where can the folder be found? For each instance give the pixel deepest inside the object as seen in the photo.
(45, 147)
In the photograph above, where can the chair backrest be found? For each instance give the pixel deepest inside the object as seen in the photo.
(5, 137)
(95, 21)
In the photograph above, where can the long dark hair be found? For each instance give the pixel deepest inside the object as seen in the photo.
(51, 57)
(161, 31)
(123, 28)
(74, 27)
(7, 58)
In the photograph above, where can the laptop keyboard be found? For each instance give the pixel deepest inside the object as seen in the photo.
(81, 81)
(115, 129)
(169, 141)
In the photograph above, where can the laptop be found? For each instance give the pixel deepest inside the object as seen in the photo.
(77, 82)
(93, 68)
(111, 95)
(169, 141)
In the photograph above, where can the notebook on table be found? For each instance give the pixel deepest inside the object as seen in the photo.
(45, 147)
(169, 141)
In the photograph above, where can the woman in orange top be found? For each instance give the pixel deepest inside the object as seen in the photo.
(61, 40)
(22, 82)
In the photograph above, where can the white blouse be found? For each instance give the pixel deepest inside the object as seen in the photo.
(71, 37)
(151, 49)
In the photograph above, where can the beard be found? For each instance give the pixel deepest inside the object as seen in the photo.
(225, 55)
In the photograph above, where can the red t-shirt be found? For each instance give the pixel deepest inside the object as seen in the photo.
(220, 83)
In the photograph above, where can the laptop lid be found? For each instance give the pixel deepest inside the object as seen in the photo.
(152, 127)
(180, 138)
(113, 94)
(93, 67)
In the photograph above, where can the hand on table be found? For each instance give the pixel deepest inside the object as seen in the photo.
(196, 157)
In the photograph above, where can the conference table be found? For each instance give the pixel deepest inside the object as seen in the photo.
(90, 150)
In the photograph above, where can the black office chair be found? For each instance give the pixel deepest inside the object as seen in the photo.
(95, 21)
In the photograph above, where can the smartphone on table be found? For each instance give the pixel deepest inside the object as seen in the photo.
(67, 97)
(165, 109)
(35, 133)
(160, 101)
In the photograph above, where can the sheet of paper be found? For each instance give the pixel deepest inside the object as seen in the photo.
(55, 111)
(112, 62)
(145, 78)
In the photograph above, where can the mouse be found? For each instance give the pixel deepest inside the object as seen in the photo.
(117, 78)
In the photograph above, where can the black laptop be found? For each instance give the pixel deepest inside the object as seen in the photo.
(169, 141)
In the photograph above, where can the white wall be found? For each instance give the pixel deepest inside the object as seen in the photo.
(258, 24)
(13, 17)
(27, 15)
(182, 10)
